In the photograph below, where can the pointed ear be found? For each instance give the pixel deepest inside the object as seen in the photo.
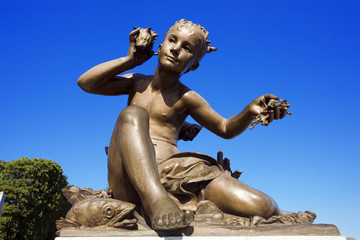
(135, 28)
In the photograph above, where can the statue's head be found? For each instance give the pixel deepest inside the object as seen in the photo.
(187, 32)
(203, 46)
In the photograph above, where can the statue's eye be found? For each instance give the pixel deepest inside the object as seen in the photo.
(188, 49)
(172, 39)
(109, 212)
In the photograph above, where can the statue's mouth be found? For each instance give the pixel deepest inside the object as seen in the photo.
(171, 58)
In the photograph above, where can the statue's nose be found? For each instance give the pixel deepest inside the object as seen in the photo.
(175, 50)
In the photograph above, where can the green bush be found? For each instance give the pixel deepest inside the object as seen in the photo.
(33, 198)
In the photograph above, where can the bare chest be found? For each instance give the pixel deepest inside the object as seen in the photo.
(162, 107)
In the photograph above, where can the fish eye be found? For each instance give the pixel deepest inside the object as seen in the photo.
(109, 212)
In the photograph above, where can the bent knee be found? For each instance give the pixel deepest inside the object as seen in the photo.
(133, 114)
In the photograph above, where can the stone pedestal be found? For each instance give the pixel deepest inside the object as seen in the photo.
(211, 238)
(280, 232)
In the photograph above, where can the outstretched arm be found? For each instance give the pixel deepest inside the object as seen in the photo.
(201, 111)
(102, 79)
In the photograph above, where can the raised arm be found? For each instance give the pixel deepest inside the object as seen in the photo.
(102, 79)
(201, 111)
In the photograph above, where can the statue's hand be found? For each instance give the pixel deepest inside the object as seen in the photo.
(136, 56)
(266, 108)
(259, 104)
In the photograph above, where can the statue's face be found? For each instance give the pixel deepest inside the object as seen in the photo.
(179, 49)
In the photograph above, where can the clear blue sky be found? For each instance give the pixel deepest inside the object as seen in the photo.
(305, 51)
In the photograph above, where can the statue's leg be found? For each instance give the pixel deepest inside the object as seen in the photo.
(118, 179)
(235, 197)
(133, 174)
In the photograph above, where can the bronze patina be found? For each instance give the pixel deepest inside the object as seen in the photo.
(145, 166)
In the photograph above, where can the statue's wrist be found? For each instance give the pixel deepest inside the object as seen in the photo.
(130, 61)
(250, 110)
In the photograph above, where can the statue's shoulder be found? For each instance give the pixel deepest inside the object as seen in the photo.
(193, 99)
(136, 76)
(190, 94)
(141, 81)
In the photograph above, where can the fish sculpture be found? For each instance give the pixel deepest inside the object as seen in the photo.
(99, 212)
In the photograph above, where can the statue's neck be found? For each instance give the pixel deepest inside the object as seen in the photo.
(165, 80)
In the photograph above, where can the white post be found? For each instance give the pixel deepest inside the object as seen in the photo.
(2, 199)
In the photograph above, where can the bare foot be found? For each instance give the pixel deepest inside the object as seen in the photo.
(166, 215)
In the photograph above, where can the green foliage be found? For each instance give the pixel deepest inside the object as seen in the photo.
(33, 198)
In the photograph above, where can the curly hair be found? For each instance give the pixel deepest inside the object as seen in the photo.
(203, 44)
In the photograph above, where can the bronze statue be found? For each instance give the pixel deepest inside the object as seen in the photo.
(145, 166)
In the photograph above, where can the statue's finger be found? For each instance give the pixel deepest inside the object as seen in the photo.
(151, 53)
(271, 96)
(265, 122)
(282, 113)
(263, 102)
(277, 113)
(270, 117)
(132, 34)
